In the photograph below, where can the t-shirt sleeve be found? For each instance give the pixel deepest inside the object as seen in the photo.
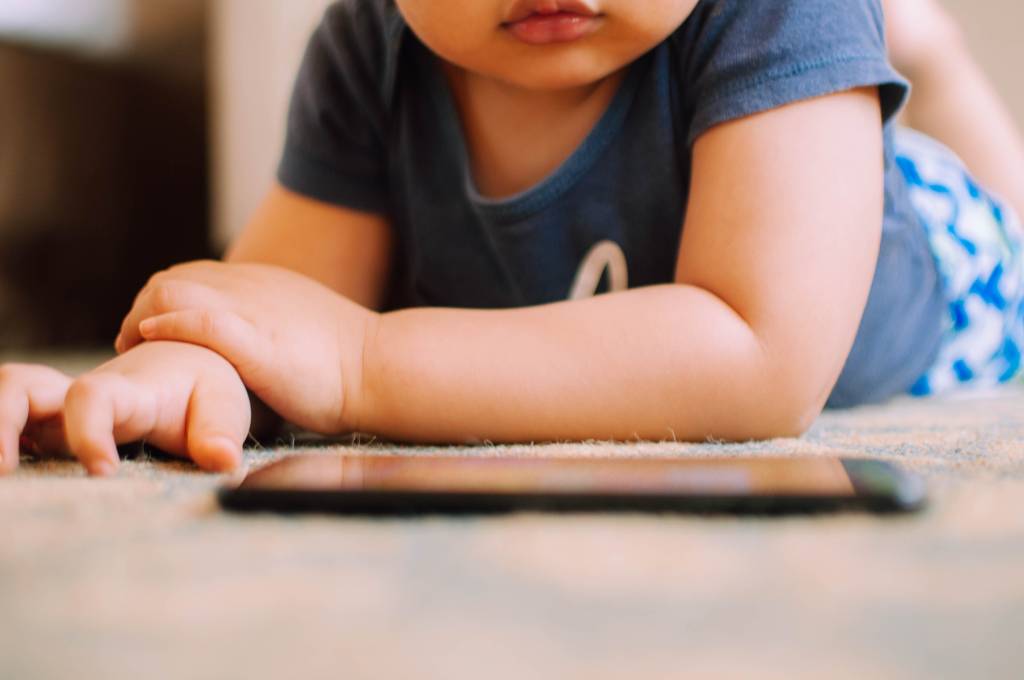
(750, 56)
(335, 145)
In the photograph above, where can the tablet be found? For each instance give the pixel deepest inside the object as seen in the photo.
(403, 485)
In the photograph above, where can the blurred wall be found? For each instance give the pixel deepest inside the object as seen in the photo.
(169, 37)
(257, 45)
(89, 26)
(103, 160)
(256, 51)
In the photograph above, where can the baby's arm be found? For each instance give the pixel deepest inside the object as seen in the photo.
(346, 250)
(183, 399)
(778, 254)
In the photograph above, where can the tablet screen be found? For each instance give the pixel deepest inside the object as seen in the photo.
(620, 476)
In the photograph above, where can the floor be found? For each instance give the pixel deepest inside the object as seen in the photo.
(143, 575)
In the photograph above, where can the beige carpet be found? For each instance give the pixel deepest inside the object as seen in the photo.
(143, 576)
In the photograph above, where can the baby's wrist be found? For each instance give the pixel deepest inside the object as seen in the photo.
(358, 406)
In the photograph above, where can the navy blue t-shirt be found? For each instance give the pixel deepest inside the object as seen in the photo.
(373, 126)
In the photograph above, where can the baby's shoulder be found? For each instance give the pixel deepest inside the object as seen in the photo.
(778, 20)
(735, 58)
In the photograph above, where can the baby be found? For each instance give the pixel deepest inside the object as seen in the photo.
(543, 220)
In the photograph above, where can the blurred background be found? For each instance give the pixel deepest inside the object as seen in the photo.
(139, 133)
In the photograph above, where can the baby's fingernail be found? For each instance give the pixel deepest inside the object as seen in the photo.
(228, 455)
(102, 468)
(147, 326)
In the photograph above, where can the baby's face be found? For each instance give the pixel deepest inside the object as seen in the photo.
(544, 44)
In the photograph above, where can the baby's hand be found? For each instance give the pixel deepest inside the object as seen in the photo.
(297, 344)
(180, 398)
(31, 410)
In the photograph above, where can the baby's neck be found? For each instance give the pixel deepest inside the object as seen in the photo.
(517, 137)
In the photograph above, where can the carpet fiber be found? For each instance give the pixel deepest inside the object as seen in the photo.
(143, 575)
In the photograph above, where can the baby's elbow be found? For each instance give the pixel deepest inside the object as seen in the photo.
(791, 407)
(796, 422)
(797, 408)
(772, 414)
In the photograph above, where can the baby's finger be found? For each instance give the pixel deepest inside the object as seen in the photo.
(218, 424)
(27, 394)
(162, 295)
(13, 416)
(226, 333)
(96, 404)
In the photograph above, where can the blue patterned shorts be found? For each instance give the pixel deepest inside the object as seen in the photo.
(978, 244)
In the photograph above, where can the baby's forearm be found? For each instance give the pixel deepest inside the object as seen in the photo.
(652, 363)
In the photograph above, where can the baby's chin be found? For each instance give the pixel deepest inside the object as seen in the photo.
(549, 72)
(548, 82)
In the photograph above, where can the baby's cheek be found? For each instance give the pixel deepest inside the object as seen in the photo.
(453, 29)
(646, 24)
